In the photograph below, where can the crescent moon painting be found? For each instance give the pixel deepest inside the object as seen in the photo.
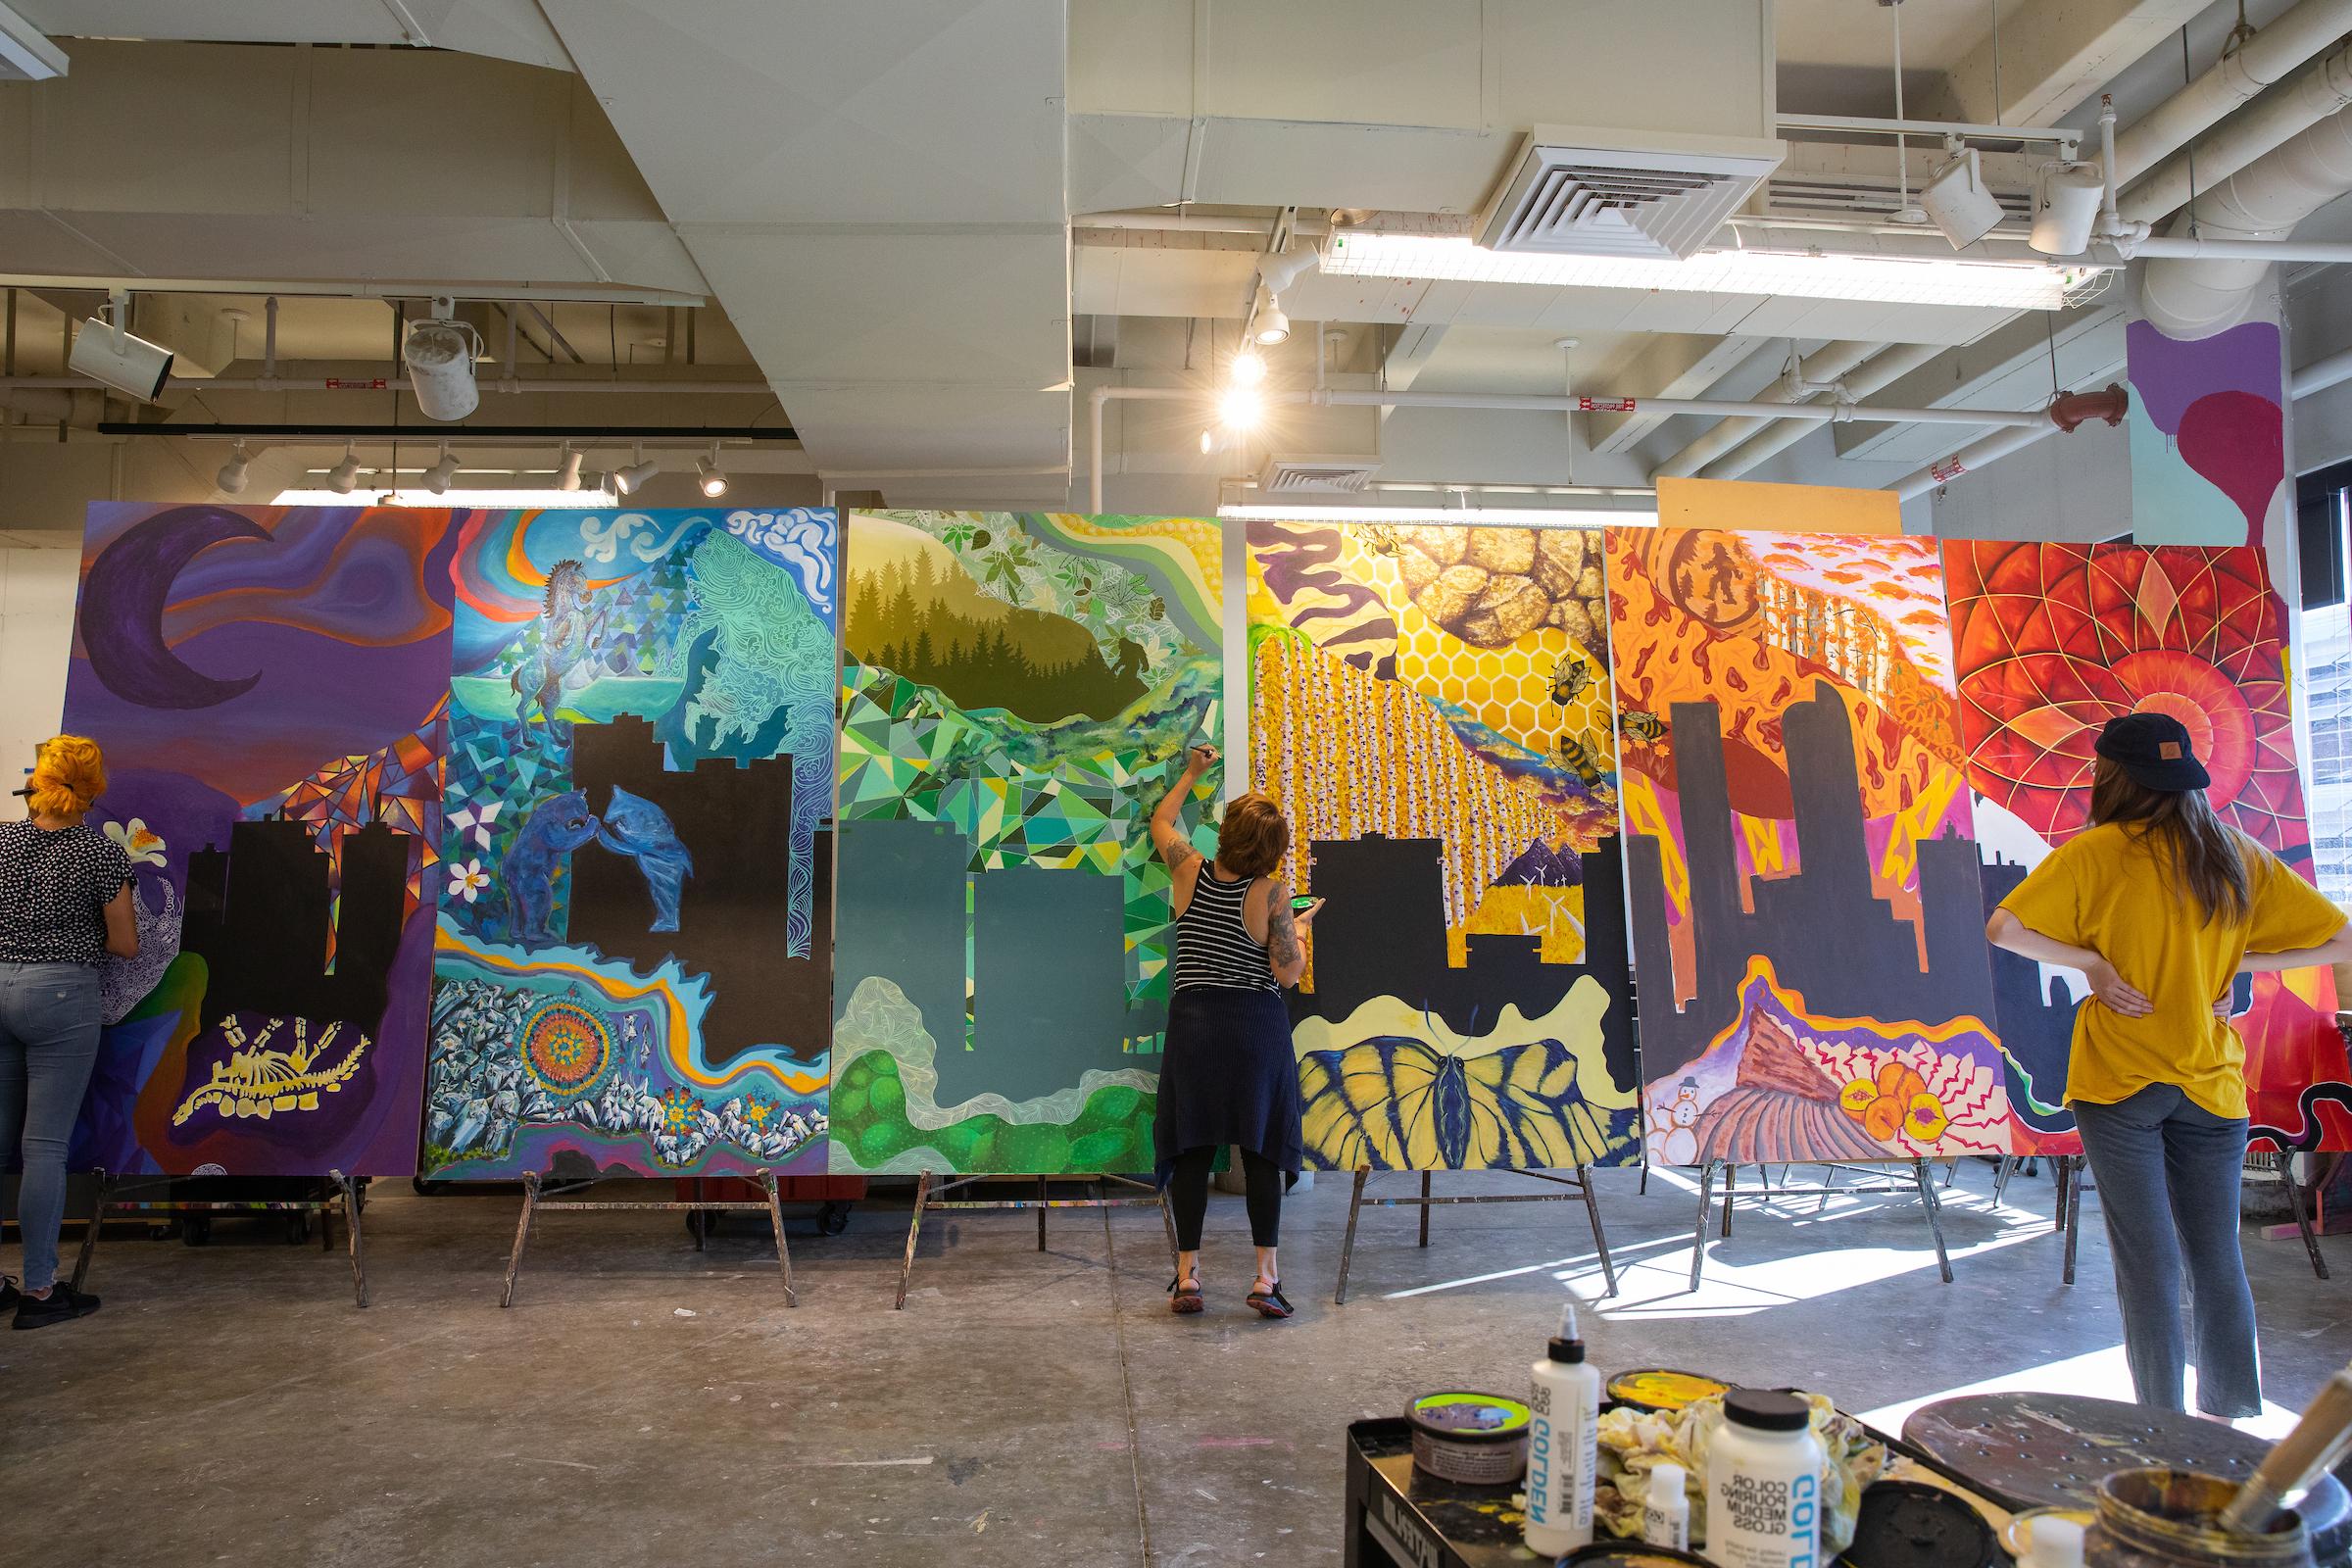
(121, 616)
(270, 686)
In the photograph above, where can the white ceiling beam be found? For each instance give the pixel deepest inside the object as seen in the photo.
(2053, 55)
(504, 181)
(504, 30)
(1668, 366)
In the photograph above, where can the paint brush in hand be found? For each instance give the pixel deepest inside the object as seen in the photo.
(2319, 1440)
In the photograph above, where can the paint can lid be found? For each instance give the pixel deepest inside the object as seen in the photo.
(1907, 1524)
(1458, 1416)
(1767, 1410)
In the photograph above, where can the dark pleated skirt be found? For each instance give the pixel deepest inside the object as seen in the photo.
(1228, 1076)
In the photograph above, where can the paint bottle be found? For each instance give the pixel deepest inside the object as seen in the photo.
(1563, 1445)
(1764, 1470)
(1666, 1508)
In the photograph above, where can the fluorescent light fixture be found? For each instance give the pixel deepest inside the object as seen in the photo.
(2018, 285)
(1522, 516)
(487, 499)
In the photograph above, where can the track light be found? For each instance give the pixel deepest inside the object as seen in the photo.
(1249, 368)
(2066, 205)
(1240, 409)
(344, 477)
(438, 476)
(567, 470)
(439, 352)
(1269, 326)
(709, 475)
(635, 477)
(105, 351)
(1958, 201)
(232, 478)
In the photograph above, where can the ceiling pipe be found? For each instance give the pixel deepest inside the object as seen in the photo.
(1529, 401)
(2067, 411)
(1878, 373)
(2292, 38)
(392, 384)
(2269, 121)
(2320, 375)
(1829, 362)
(2264, 201)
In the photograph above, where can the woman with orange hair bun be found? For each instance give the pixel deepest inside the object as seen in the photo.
(65, 905)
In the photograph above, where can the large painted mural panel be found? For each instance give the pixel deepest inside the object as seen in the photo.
(1017, 694)
(1431, 709)
(270, 686)
(634, 951)
(1806, 914)
(2051, 641)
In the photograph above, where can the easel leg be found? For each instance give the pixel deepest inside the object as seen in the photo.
(1601, 1237)
(351, 1223)
(1042, 1194)
(1424, 1208)
(914, 1228)
(2001, 1178)
(2294, 1196)
(2070, 1211)
(698, 1221)
(1642, 1190)
(1698, 1236)
(89, 1236)
(775, 1217)
(1731, 1186)
(1935, 1209)
(1356, 1206)
(523, 1235)
(2062, 1170)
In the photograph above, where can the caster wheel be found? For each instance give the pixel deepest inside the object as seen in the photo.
(832, 1219)
(196, 1230)
(702, 1226)
(298, 1229)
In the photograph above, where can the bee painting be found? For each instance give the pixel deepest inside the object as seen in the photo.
(1571, 755)
(1570, 677)
(1646, 729)
(1383, 538)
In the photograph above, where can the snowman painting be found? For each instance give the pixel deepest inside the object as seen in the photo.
(1673, 1135)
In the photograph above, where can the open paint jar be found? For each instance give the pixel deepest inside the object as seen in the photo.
(1478, 1439)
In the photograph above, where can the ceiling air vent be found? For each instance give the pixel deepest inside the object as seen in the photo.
(1291, 476)
(1579, 192)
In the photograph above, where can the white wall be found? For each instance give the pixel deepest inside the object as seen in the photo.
(36, 637)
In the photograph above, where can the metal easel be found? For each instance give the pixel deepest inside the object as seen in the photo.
(926, 1202)
(772, 1206)
(1921, 1184)
(1580, 1188)
(347, 1196)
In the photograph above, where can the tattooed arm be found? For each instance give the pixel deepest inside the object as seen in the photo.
(1166, 836)
(1286, 954)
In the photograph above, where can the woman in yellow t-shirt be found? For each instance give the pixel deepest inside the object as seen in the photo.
(2163, 906)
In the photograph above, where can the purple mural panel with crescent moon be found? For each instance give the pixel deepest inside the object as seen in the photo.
(270, 686)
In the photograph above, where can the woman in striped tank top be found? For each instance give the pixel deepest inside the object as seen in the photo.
(1228, 1076)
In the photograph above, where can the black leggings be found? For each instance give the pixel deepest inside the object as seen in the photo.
(1188, 1189)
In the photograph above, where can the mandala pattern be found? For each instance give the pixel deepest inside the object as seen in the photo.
(2054, 640)
(566, 1049)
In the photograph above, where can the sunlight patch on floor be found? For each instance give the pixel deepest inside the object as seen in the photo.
(2100, 1373)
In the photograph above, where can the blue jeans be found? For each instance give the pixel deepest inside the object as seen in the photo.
(48, 1044)
(2169, 1174)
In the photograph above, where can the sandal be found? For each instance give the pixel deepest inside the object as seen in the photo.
(1270, 1301)
(1183, 1296)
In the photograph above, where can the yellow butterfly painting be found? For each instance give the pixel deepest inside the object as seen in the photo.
(1405, 1094)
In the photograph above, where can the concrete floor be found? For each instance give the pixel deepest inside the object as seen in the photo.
(646, 1403)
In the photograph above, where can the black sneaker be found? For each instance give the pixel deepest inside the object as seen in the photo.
(62, 1305)
(8, 1294)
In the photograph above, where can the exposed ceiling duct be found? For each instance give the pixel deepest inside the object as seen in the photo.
(2264, 201)
(2291, 39)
